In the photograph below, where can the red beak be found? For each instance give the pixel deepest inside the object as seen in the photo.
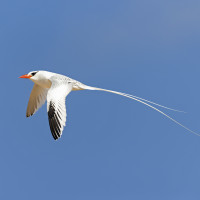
(25, 76)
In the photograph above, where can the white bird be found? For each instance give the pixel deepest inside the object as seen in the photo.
(55, 87)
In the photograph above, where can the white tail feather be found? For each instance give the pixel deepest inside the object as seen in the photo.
(143, 102)
(154, 103)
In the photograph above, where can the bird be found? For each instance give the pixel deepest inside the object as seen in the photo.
(54, 88)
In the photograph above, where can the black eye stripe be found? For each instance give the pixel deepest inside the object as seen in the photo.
(33, 73)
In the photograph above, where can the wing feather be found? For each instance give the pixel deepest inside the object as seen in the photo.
(56, 108)
(37, 99)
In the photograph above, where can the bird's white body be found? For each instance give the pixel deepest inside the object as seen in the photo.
(55, 87)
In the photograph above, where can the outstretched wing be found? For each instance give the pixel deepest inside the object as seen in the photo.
(37, 99)
(56, 108)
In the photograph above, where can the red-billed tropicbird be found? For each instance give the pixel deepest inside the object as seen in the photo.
(55, 87)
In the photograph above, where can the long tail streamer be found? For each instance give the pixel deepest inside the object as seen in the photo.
(143, 101)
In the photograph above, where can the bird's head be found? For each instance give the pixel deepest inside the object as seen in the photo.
(39, 77)
(31, 75)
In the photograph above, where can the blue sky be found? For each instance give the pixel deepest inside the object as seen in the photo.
(112, 147)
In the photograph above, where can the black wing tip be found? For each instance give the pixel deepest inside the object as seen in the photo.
(29, 115)
(54, 129)
(56, 138)
(55, 135)
(54, 123)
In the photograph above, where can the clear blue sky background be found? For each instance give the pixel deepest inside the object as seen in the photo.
(112, 147)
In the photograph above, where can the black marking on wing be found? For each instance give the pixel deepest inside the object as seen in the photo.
(54, 122)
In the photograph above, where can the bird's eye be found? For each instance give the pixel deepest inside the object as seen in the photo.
(33, 73)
